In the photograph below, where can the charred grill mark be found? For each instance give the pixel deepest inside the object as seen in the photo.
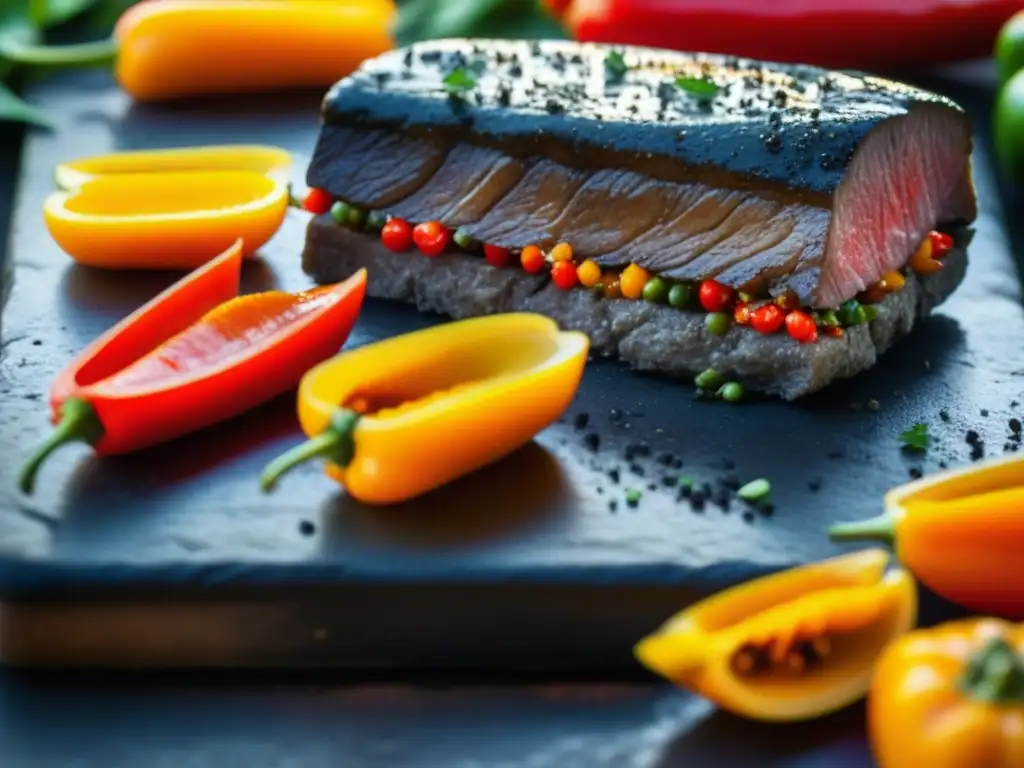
(498, 182)
(742, 246)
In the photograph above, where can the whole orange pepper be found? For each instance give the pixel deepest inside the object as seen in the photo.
(790, 646)
(406, 415)
(960, 532)
(950, 697)
(168, 49)
(195, 355)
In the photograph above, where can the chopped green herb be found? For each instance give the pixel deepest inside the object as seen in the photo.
(633, 496)
(827, 318)
(698, 86)
(874, 405)
(916, 438)
(458, 81)
(615, 64)
(731, 392)
(756, 491)
(709, 379)
(685, 482)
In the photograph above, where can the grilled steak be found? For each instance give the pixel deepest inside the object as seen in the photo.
(774, 180)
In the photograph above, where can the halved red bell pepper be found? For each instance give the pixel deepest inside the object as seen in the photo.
(195, 355)
(874, 35)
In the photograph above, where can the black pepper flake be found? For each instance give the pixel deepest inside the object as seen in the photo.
(576, 59)
(697, 501)
(592, 441)
(636, 469)
(984, 412)
(767, 510)
(943, 465)
(643, 449)
(554, 107)
(652, 486)
(916, 473)
(407, 59)
(665, 459)
(1015, 426)
(731, 482)
(775, 120)
(580, 420)
(306, 528)
(685, 491)
(670, 481)
(614, 475)
(748, 516)
(535, 49)
(972, 437)
(504, 96)
(516, 70)
(723, 500)
(977, 452)
(780, 98)
(814, 486)
(944, 415)
(613, 505)
(428, 57)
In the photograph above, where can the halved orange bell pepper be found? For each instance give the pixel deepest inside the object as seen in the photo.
(170, 49)
(267, 160)
(961, 533)
(195, 355)
(789, 646)
(403, 416)
(950, 697)
(165, 220)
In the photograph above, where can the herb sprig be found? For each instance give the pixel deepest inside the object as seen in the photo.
(459, 81)
(916, 438)
(700, 87)
(615, 65)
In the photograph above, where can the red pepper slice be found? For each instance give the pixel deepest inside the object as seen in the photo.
(838, 34)
(195, 355)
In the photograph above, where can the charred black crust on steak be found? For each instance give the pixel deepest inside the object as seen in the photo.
(793, 125)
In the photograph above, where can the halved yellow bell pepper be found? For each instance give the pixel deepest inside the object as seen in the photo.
(165, 220)
(270, 161)
(789, 646)
(404, 416)
(961, 532)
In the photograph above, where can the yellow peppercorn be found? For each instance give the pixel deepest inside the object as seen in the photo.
(561, 252)
(589, 273)
(633, 280)
(892, 281)
(611, 287)
(922, 261)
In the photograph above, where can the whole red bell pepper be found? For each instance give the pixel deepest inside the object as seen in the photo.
(873, 35)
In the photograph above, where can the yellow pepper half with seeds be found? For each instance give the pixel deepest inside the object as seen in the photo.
(790, 646)
(406, 415)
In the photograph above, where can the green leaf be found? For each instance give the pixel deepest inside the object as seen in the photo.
(615, 65)
(698, 86)
(916, 438)
(13, 108)
(435, 19)
(50, 13)
(458, 81)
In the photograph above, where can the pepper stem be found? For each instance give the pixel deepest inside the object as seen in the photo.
(881, 528)
(995, 674)
(336, 444)
(80, 54)
(78, 423)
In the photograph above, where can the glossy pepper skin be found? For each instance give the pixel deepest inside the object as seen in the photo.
(256, 158)
(195, 355)
(961, 533)
(872, 35)
(950, 697)
(738, 647)
(172, 220)
(406, 415)
(171, 49)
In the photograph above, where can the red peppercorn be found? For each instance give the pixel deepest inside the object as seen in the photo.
(563, 274)
(767, 319)
(497, 256)
(741, 314)
(431, 237)
(397, 235)
(532, 259)
(317, 201)
(833, 331)
(801, 327)
(941, 243)
(714, 296)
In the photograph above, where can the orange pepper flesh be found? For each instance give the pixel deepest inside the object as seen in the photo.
(961, 533)
(266, 160)
(404, 416)
(178, 48)
(789, 646)
(949, 697)
(145, 383)
(165, 220)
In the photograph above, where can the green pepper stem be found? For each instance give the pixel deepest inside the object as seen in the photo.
(336, 444)
(882, 528)
(995, 674)
(79, 422)
(80, 54)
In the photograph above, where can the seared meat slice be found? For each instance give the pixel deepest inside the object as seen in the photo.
(787, 178)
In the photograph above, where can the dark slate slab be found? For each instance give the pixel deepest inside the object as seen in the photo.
(172, 555)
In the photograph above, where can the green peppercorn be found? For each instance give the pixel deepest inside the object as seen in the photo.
(827, 318)
(340, 212)
(731, 392)
(852, 313)
(709, 380)
(717, 323)
(870, 312)
(375, 220)
(462, 239)
(356, 217)
(655, 290)
(679, 295)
